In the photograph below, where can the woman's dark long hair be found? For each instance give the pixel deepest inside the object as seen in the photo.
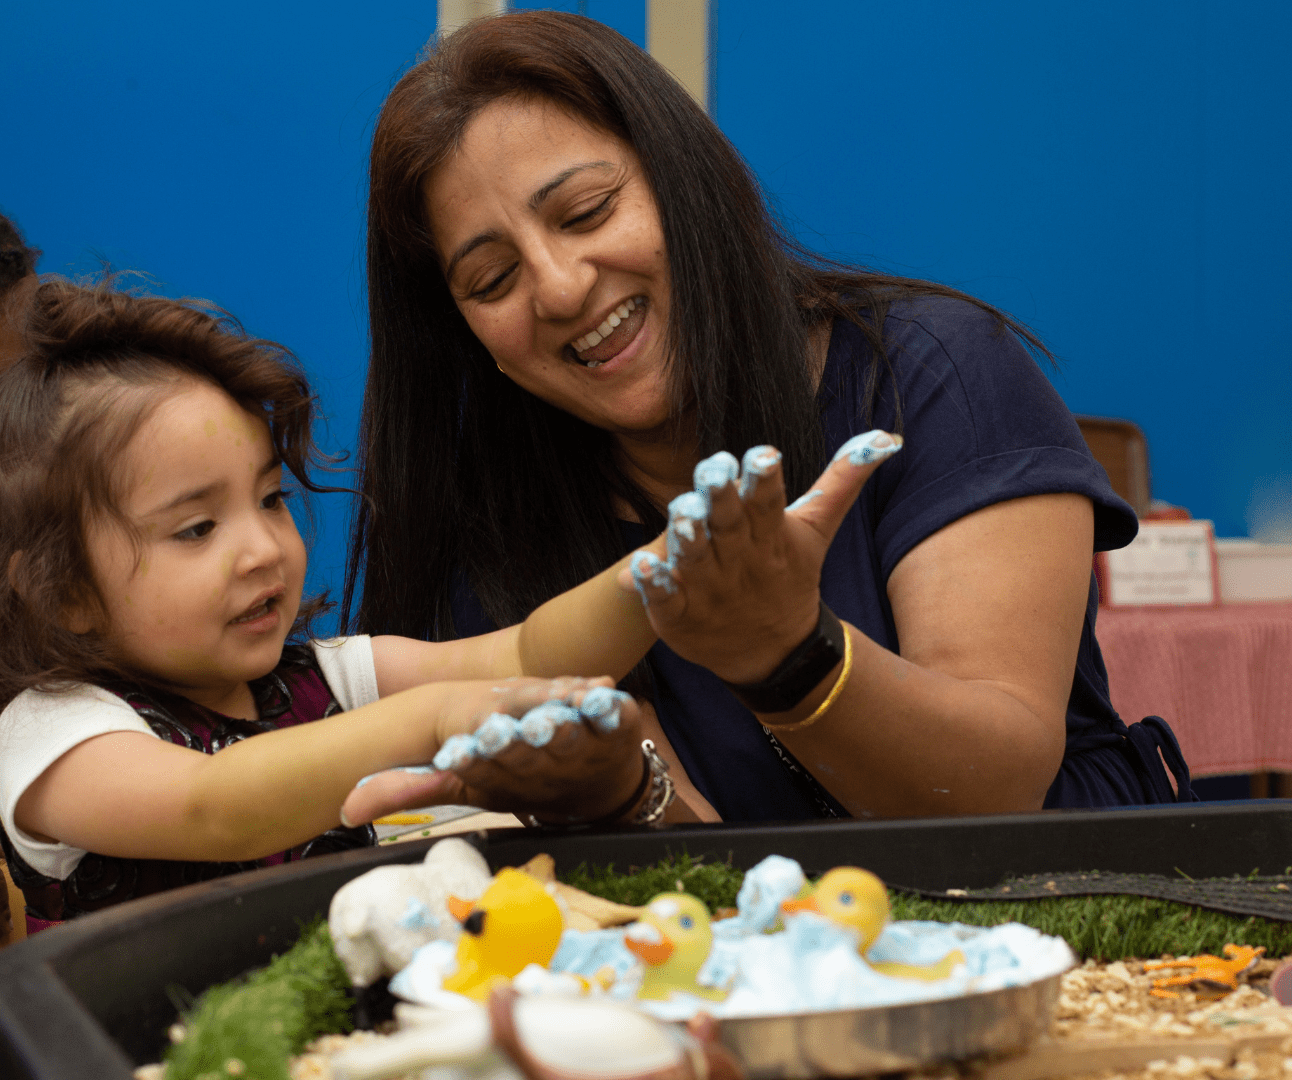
(470, 479)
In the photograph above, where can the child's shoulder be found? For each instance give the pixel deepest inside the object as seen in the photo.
(347, 667)
(71, 698)
(65, 717)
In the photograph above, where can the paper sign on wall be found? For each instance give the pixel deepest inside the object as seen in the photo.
(1169, 562)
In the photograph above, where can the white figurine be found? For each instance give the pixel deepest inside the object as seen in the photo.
(380, 919)
(558, 1038)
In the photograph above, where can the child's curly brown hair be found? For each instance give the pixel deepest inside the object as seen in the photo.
(94, 362)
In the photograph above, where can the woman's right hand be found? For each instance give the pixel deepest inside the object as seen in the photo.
(586, 769)
(739, 595)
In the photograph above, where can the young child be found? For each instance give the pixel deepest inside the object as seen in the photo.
(153, 575)
(17, 262)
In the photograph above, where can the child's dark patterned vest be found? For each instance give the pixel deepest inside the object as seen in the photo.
(293, 693)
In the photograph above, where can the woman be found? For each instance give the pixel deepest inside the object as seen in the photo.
(536, 175)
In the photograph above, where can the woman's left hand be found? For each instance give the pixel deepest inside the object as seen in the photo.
(738, 590)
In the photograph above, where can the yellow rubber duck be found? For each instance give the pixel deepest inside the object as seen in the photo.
(857, 898)
(515, 923)
(672, 938)
(850, 897)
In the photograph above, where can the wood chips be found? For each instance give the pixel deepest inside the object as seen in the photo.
(1107, 1026)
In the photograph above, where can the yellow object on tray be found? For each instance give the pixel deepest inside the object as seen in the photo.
(672, 939)
(515, 923)
(405, 819)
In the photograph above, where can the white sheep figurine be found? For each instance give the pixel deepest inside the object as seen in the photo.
(381, 918)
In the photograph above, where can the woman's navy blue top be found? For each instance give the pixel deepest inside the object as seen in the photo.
(982, 424)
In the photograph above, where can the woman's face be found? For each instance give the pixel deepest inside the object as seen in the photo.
(551, 242)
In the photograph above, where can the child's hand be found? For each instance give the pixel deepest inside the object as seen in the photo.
(734, 583)
(575, 758)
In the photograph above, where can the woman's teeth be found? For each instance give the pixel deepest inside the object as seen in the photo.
(597, 336)
(603, 331)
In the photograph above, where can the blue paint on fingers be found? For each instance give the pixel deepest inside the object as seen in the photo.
(649, 569)
(538, 725)
(863, 449)
(457, 751)
(804, 499)
(497, 732)
(684, 513)
(714, 473)
(601, 707)
(758, 462)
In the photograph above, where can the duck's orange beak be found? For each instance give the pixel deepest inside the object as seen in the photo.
(806, 903)
(460, 909)
(649, 953)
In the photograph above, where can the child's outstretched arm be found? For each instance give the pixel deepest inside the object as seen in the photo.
(135, 796)
(593, 629)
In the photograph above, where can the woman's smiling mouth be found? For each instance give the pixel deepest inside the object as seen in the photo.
(609, 339)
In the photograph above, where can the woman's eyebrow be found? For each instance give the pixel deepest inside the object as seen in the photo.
(535, 202)
(465, 249)
(539, 197)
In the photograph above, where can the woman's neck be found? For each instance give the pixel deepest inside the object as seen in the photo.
(663, 464)
(662, 468)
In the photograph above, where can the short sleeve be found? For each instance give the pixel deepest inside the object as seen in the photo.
(36, 729)
(982, 425)
(348, 669)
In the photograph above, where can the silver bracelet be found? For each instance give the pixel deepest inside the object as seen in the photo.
(659, 792)
(660, 795)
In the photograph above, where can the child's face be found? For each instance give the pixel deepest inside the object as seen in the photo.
(219, 573)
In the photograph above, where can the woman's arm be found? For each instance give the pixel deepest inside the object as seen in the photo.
(970, 717)
(594, 629)
(131, 795)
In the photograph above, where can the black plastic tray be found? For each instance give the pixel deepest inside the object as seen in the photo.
(89, 999)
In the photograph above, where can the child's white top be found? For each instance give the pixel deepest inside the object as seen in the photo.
(36, 729)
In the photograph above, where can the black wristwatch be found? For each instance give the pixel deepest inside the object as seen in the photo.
(799, 673)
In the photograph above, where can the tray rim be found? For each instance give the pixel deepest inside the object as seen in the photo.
(33, 987)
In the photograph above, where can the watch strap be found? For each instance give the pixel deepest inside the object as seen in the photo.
(799, 673)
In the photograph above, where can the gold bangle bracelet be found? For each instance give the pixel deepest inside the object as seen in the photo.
(825, 706)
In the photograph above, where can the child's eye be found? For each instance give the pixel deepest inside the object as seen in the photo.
(274, 500)
(195, 532)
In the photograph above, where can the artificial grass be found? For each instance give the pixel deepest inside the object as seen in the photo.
(251, 1026)
(1112, 927)
(714, 883)
(1097, 927)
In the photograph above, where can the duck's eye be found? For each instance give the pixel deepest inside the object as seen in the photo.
(686, 922)
(845, 898)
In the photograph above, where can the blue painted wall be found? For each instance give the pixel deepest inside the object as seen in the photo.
(1115, 175)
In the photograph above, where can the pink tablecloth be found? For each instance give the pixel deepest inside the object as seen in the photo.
(1222, 678)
